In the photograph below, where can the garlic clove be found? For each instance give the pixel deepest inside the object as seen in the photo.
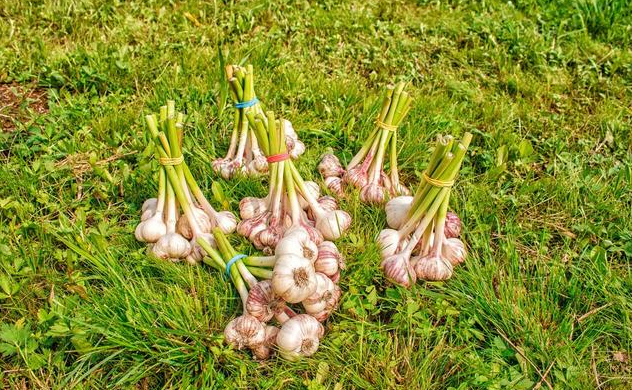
(299, 337)
(433, 268)
(453, 250)
(293, 278)
(397, 210)
(244, 331)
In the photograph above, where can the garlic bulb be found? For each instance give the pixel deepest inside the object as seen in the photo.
(147, 214)
(397, 210)
(293, 278)
(334, 184)
(225, 221)
(297, 149)
(197, 253)
(150, 203)
(297, 242)
(372, 193)
(333, 223)
(202, 220)
(259, 164)
(313, 189)
(356, 176)
(263, 303)
(265, 349)
(325, 299)
(251, 207)
(452, 225)
(151, 229)
(330, 166)
(389, 242)
(271, 235)
(299, 336)
(453, 250)
(433, 268)
(397, 268)
(171, 246)
(328, 260)
(244, 331)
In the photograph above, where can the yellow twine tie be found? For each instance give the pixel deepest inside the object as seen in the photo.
(437, 182)
(171, 160)
(386, 126)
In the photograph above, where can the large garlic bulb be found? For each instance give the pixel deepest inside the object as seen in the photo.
(397, 210)
(324, 300)
(297, 242)
(433, 268)
(397, 268)
(293, 278)
(244, 331)
(453, 250)
(299, 336)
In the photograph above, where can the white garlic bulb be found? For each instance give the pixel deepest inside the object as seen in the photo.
(150, 203)
(151, 229)
(299, 336)
(225, 221)
(293, 278)
(171, 246)
(453, 250)
(244, 331)
(333, 223)
(325, 299)
(397, 211)
(201, 219)
(297, 242)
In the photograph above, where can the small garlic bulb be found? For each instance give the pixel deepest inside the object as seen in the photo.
(330, 166)
(297, 149)
(171, 246)
(325, 299)
(297, 242)
(151, 229)
(263, 303)
(313, 189)
(372, 193)
(433, 268)
(333, 224)
(244, 331)
(299, 336)
(453, 250)
(265, 349)
(328, 260)
(397, 211)
(293, 278)
(397, 268)
(452, 225)
(356, 176)
(334, 184)
(389, 242)
(251, 207)
(225, 221)
(203, 221)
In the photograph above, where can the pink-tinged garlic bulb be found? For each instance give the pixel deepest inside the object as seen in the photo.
(313, 189)
(263, 303)
(433, 268)
(197, 253)
(329, 259)
(397, 269)
(335, 277)
(324, 300)
(270, 236)
(356, 176)
(453, 250)
(297, 242)
(397, 211)
(299, 336)
(202, 220)
(227, 169)
(244, 331)
(293, 278)
(452, 225)
(327, 203)
(333, 224)
(334, 184)
(264, 350)
(372, 193)
(330, 166)
(259, 164)
(171, 246)
(251, 207)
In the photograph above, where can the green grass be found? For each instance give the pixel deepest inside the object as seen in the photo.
(545, 193)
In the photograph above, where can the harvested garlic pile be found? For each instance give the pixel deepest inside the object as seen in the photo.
(366, 170)
(244, 154)
(423, 239)
(180, 216)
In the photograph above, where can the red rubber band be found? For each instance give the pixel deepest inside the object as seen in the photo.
(278, 157)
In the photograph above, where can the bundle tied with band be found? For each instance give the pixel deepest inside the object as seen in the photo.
(422, 241)
(173, 222)
(366, 170)
(245, 155)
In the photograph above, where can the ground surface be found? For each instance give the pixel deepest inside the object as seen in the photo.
(544, 300)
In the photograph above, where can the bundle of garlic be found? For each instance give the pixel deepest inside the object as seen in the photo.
(366, 169)
(292, 203)
(293, 279)
(173, 235)
(422, 242)
(244, 153)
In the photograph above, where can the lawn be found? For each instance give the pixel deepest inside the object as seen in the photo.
(543, 301)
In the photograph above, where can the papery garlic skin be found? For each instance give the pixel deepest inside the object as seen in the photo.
(330, 166)
(263, 303)
(244, 331)
(333, 224)
(299, 336)
(453, 250)
(203, 221)
(151, 229)
(398, 269)
(293, 278)
(433, 268)
(452, 225)
(264, 350)
(397, 211)
(298, 244)
(225, 221)
(148, 213)
(356, 176)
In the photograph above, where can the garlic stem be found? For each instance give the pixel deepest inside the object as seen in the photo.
(427, 219)
(162, 191)
(172, 217)
(260, 261)
(440, 225)
(261, 273)
(233, 137)
(307, 195)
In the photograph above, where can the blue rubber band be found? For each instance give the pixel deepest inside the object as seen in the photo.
(248, 103)
(232, 261)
